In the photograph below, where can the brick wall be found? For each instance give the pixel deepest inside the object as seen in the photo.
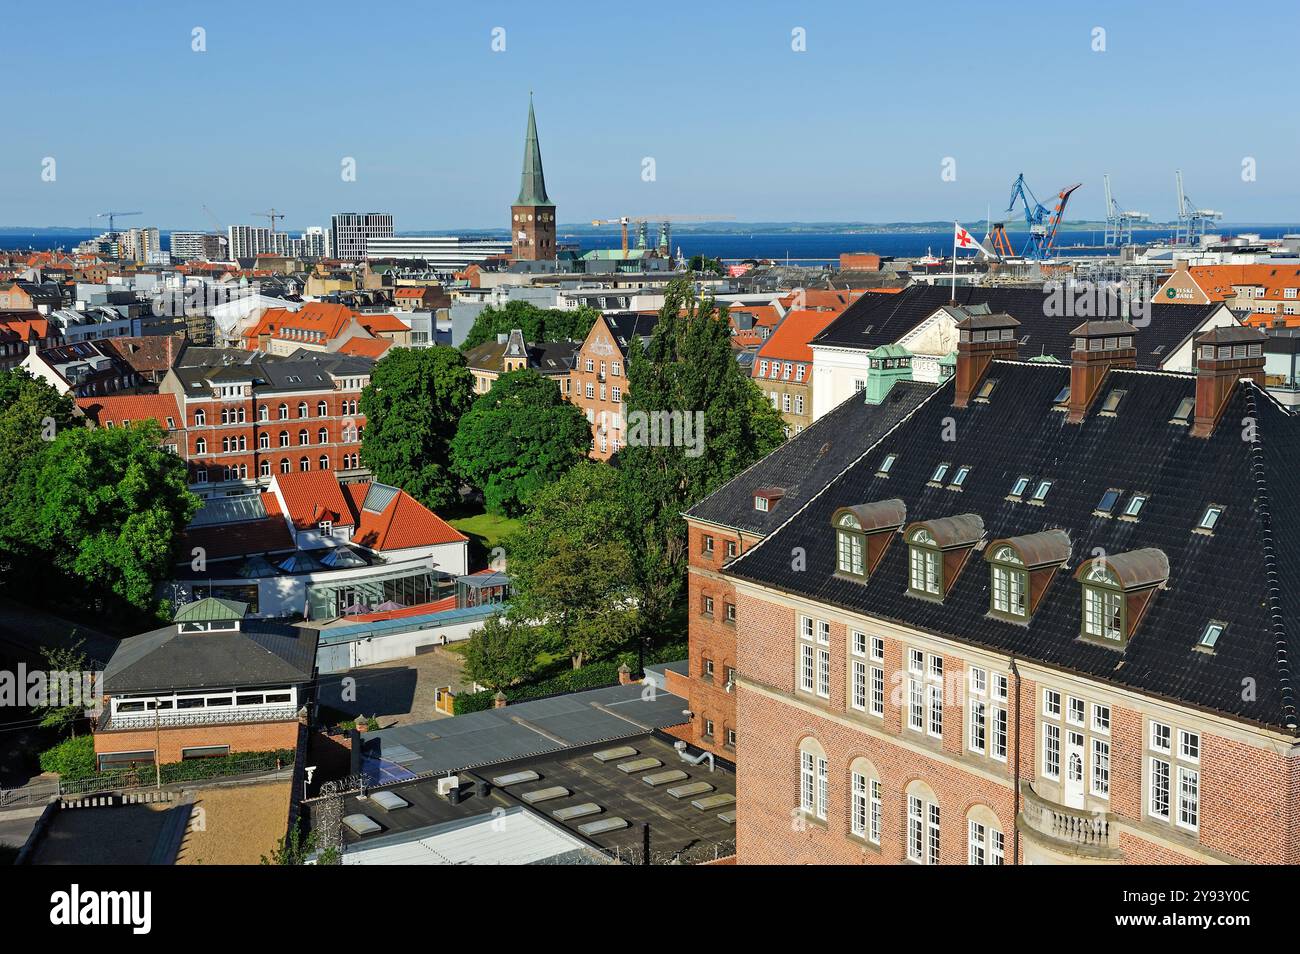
(712, 638)
(245, 737)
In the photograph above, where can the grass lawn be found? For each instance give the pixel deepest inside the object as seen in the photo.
(485, 531)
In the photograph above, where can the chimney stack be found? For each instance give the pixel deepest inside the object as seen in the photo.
(982, 339)
(1223, 357)
(1099, 346)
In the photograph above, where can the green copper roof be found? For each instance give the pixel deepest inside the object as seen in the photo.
(532, 185)
(1045, 359)
(889, 351)
(210, 609)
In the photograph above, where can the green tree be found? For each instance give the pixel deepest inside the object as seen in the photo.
(571, 563)
(294, 849)
(502, 653)
(517, 438)
(31, 415)
(687, 369)
(414, 401)
(60, 660)
(102, 508)
(537, 324)
(702, 263)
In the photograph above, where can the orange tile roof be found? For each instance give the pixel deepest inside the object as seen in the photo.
(1217, 280)
(382, 321)
(328, 319)
(409, 292)
(790, 341)
(124, 408)
(312, 496)
(365, 347)
(404, 523)
(765, 316)
(1269, 319)
(746, 339)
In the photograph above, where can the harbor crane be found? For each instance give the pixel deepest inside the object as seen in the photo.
(1119, 222)
(1192, 222)
(1042, 221)
(271, 214)
(113, 215)
(665, 227)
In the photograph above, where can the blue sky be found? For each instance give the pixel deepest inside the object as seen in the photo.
(738, 123)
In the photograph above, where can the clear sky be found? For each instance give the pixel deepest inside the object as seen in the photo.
(854, 127)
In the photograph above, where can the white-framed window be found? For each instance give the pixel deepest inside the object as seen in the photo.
(813, 782)
(873, 832)
(859, 693)
(978, 739)
(860, 805)
(1100, 718)
(1101, 768)
(877, 690)
(915, 705)
(925, 570)
(1160, 737)
(823, 672)
(1189, 746)
(998, 718)
(935, 725)
(977, 852)
(922, 831)
(807, 668)
(1158, 785)
(1075, 709)
(1051, 750)
(823, 632)
(1052, 703)
(1189, 798)
(979, 680)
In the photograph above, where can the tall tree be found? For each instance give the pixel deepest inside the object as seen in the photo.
(687, 374)
(501, 653)
(537, 324)
(31, 415)
(517, 438)
(102, 508)
(571, 563)
(413, 403)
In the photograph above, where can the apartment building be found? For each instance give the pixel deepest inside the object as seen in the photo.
(784, 364)
(250, 241)
(1050, 638)
(598, 381)
(320, 326)
(350, 232)
(1263, 294)
(510, 352)
(197, 246)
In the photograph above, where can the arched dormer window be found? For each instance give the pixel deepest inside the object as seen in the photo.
(1009, 582)
(937, 551)
(1020, 570)
(850, 546)
(1116, 590)
(861, 534)
(1103, 604)
(925, 573)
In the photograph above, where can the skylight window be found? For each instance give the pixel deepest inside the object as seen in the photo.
(986, 389)
(1020, 486)
(1063, 398)
(1210, 518)
(1108, 501)
(1135, 505)
(887, 463)
(1111, 404)
(1213, 630)
(1040, 492)
(959, 478)
(939, 472)
(1184, 412)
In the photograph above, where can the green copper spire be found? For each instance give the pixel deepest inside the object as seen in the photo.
(532, 185)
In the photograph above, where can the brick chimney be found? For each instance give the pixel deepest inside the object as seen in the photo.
(981, 339)
(1098, 347)
(1223, 357)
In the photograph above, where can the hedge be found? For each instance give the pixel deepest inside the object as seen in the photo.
(189, 770)
(597, 675)
(71, 758)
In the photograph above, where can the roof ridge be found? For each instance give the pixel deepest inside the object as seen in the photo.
(1271, 571)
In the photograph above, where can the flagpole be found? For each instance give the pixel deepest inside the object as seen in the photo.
(955, 227)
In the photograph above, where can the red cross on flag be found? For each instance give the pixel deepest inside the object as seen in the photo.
(963, 239)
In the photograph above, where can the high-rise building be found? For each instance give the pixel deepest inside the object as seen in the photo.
(137, 245)
(349, 232)
(248, 241)
(197, 246)
(312, 244)
(532, 217)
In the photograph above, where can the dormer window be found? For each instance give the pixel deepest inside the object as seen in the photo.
(1116, 592)
(1010, 583)
(925, 576)
(765, 498)
(1021, 569)
(326, 528)
(1103, 607)
(850, 546)
(760, 504)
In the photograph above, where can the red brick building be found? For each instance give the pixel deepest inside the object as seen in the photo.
(598, 382)
(532, 216)
(1048, 638)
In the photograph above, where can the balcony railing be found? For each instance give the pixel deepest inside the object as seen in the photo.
(223, 716)
(1071, 829)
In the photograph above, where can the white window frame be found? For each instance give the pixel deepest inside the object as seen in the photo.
(1051, 766)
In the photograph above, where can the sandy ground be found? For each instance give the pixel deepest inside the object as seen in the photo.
(236, 824)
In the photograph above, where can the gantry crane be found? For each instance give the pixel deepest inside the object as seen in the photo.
(1042, 221)
(1191, 220)
(1119, 222)
(111, 216)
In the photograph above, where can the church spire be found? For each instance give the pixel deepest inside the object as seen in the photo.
(532, 186)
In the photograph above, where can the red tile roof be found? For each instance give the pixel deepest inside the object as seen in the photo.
(404, 523)
(1217, 280)
(790, 341)
(318, 316)
(382, 321)
(365, 347)
(311, 496)
(219, 541)
(409, 292)
(419, 609)
(118, 410)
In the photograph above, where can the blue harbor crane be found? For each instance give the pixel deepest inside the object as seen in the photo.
(1042, 221)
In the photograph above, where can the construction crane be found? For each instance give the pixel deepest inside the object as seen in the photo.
(215, 221)
(1119, 222)
(112, 215)
(272, 215)
(1042, 221)
(1192, 221)
(665, 227)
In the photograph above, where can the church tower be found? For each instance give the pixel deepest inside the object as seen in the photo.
(532, 225)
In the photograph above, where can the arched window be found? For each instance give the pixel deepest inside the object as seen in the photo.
(200, 418)
(814, 779)
(985, 843)
(923, 825)
(324, 462)
(925, 576)
(1103, 603)
(263, 413)
(322, 409)
(284, 412)
(1009, 582)
(850, 546)
(302, 408)
(200, 446)
(263, 440)
(322, 436)
(264, 468)
(864, 801)
(303, 438)
(284, 465)
(243, 442)
(304, 464)
(284, 438)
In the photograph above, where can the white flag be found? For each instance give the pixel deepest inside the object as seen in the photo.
(963, 239)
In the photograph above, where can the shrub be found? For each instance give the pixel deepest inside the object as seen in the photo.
(71, 758)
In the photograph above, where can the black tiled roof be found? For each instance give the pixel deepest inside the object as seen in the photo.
(877, 319)
(260, 653)
(804, 464)
(630, 325)
(1234, 575)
